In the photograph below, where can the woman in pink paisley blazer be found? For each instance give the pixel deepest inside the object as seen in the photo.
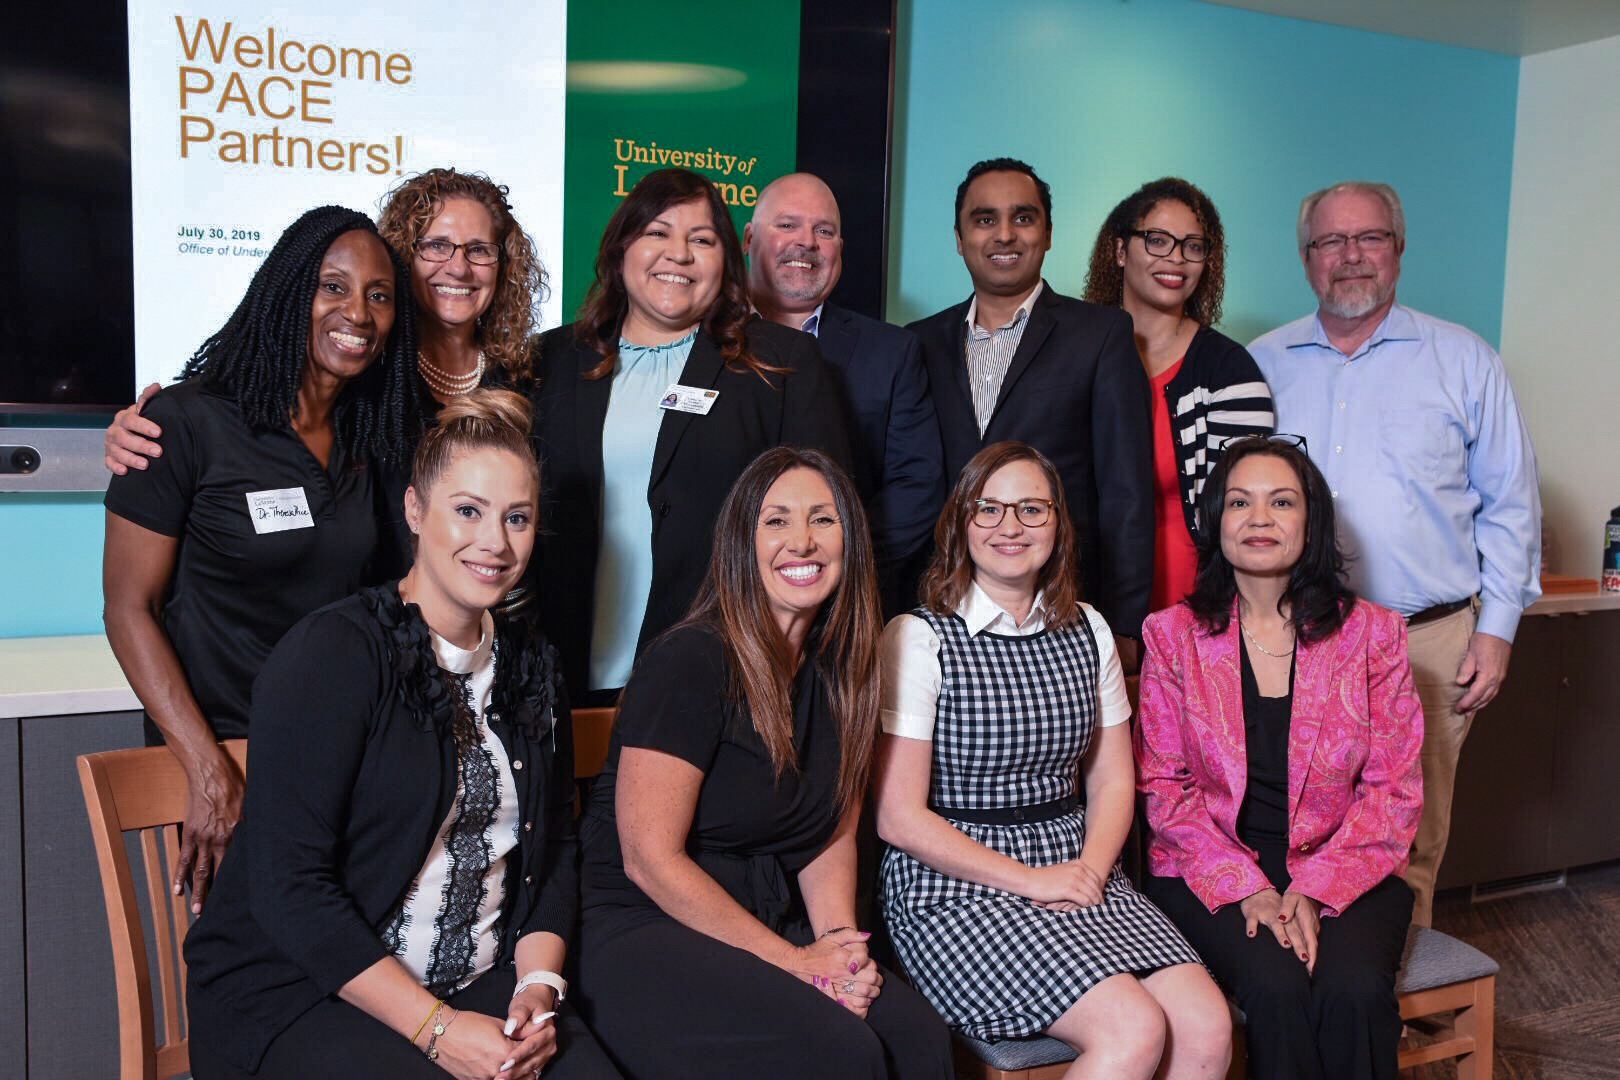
(1278, 758)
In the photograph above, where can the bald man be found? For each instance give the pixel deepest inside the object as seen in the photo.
(795, 255)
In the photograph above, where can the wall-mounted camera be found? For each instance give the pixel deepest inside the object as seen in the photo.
(19, 459)
(51, 459)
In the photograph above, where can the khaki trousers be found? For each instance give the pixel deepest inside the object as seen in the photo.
(1436, 650)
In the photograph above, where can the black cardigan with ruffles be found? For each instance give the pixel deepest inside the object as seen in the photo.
(351, 772)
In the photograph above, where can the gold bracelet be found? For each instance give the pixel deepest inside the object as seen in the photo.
(437, 1005)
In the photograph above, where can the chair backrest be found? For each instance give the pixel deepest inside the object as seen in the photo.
(593, 732)
(144, 791)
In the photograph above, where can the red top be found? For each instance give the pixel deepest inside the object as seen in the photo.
(1175, 560)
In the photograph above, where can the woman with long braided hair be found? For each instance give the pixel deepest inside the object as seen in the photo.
(260, 508)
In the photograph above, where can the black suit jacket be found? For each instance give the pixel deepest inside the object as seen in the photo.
(1075, 390)
(899, 459)
(695, 462)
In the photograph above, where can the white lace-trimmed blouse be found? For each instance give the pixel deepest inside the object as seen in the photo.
(912, 677)
(446, 934)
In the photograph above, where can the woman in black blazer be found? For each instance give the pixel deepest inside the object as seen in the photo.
(647, 410)
(398, 898)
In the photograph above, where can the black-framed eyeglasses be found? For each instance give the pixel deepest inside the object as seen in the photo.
(1370, 240)
(1291, 440)
(1032, 513)
(1159, 243)
(479, 252)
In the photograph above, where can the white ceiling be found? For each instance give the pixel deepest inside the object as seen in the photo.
(1514, 27)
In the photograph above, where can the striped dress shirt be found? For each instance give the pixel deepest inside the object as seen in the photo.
(990, 353)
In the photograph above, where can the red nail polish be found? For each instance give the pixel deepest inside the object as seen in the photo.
(853, 967)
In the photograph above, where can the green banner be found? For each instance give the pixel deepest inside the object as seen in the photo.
(709, 87)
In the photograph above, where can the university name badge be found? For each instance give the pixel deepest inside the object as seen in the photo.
(279, 510)
(692, 399)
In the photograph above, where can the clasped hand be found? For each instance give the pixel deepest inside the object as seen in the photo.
(1293, 918)
(841, 967)
(479, 1047)
(1065, 886)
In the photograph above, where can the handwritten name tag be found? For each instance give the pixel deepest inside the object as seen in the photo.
(279, 510)
(692, 399)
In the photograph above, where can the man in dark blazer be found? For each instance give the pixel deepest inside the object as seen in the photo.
(1018, 361)
(795, 247)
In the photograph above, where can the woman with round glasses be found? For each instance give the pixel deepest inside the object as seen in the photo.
(1161, 255)
(1001, 886)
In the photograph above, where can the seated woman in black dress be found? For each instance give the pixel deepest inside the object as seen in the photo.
(718, 936)
(398, 895)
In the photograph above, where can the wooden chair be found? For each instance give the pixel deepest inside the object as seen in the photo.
(593, 732)
(144, 791)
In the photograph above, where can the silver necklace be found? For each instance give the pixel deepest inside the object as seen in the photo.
(1274, 655)
(442, 382)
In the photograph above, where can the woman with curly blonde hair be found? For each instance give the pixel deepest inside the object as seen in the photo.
(1161, 256)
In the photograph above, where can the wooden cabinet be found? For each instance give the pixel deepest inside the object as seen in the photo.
(1538, 787)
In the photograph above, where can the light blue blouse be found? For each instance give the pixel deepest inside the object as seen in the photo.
(624, 560)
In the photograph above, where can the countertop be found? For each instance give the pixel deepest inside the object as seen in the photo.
(64, 676)
(61, 676)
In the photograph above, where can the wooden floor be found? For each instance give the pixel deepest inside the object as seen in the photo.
(1558, 995)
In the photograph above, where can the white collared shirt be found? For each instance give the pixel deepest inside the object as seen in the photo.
(989, 354)
(912, 677)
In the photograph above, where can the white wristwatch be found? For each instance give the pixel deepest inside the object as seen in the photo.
(549, 978)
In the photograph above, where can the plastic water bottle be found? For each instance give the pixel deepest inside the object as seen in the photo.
(1611, 553)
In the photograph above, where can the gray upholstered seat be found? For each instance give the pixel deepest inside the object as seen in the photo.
(1014, 1054)
(1432, 959)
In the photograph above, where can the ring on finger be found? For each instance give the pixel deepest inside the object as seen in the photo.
(848, 987)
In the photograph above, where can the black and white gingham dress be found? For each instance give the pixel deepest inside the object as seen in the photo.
(1014, 718)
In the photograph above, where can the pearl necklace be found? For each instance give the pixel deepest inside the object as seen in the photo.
(442, 382)
(1274, 655)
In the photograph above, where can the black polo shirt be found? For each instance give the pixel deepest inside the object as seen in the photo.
(266, 537)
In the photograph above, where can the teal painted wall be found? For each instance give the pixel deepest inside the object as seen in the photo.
(1101, 95)
(50, 564)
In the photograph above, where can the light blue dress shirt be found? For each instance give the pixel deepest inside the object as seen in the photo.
(1432, 472)
(624, 560)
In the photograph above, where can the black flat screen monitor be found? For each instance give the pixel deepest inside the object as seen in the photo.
(67, 320)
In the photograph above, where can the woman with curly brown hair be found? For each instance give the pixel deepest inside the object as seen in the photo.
(647, 410)
(1161, 255)
(475, 276)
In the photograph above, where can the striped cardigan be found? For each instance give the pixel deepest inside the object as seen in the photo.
(1218, 395)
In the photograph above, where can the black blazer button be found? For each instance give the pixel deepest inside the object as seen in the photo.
(663, 511)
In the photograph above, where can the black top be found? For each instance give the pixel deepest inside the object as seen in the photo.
(237, 590)
(1263, 817)
(899, 460)
(1217, 396)
(695, 461)
(352, 771)
(750, 831)
(1074, 390)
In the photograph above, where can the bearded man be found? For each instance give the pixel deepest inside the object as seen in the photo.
(1414, 423)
